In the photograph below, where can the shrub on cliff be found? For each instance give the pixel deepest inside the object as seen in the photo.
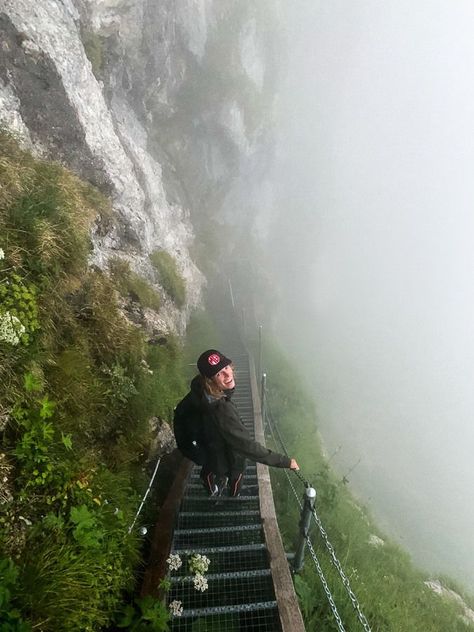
(133, 286)
(78, 383)
(170, 278)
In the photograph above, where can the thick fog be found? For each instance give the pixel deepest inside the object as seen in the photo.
(374, 249)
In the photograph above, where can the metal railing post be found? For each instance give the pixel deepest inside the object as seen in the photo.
(260, 351)
(231, 294)
(305, 521)
(262, 397)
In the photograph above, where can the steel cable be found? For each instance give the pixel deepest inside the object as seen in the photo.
(319, 570)
(344, 578)
(273, 426)
(329, 596)
(145, 495)
(363, 620)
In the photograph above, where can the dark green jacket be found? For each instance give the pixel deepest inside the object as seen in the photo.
(226, 441)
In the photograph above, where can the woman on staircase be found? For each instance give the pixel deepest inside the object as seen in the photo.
(218, 434)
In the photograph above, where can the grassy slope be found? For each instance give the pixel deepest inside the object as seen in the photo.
(78, 384)
(390, 589)
(76, 394)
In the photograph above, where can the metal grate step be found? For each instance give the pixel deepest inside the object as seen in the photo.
(250, 469)
(256, 617)
(225, 559)
(240, 595)
(227, 589)
(220, 536)
(187, 519)
(204, 503)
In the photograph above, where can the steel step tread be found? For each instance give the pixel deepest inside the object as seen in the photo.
(229, 514)
(227, 499)
(221, 549)
(251, 607)
(200, 486)
(243, 527)
(196, 476)
(240, 583)
(264, 572)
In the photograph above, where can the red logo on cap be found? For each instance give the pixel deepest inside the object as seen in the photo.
(214, 359)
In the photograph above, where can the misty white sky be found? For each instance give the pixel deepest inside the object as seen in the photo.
(376, 245)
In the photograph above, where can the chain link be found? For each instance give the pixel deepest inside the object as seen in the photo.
(328, 544)
(290, 482)
(329, 596)
(330, 548)
(325, 586)
(342, 575)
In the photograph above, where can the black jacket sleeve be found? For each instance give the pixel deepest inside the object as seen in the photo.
(236, 435)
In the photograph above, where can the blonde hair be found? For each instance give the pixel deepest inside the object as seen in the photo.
(210, 387)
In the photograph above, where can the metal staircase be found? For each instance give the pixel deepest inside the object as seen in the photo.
(229, 531)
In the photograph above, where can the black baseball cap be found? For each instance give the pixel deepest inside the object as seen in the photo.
(211, 362)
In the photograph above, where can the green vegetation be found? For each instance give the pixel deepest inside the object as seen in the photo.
(201, 334)
(94, 49)
(170, 278)
(390, 589)
(79, 384)
(133, 286)
(145, 615)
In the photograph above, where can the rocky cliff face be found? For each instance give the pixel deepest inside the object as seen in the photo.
(159, 104)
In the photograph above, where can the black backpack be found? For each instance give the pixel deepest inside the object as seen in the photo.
(188, 430)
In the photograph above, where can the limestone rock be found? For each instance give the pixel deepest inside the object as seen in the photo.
(116, 91)
(374, 540)
(436, 586)
(163, 438)
(94, 127)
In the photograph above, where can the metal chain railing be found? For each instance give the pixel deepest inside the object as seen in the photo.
(355, 603)
(329, 596)
(319, 570)
(342, 575)
(145, 495)
(275, 430)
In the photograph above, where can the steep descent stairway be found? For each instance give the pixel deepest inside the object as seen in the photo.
(250, 588)
(240, 594)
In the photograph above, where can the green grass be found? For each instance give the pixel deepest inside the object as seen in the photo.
(201, 334)
(389, 587)
(78, 392)
(133, 286)
(95, 50)
(170, 279)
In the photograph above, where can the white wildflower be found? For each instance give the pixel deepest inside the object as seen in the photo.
(11, 328)
(176, 608)
(200, 582)
(199, 563)
(146, 367)
(174, 562)
(4, 419)
(5, 470)
(2, 253)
